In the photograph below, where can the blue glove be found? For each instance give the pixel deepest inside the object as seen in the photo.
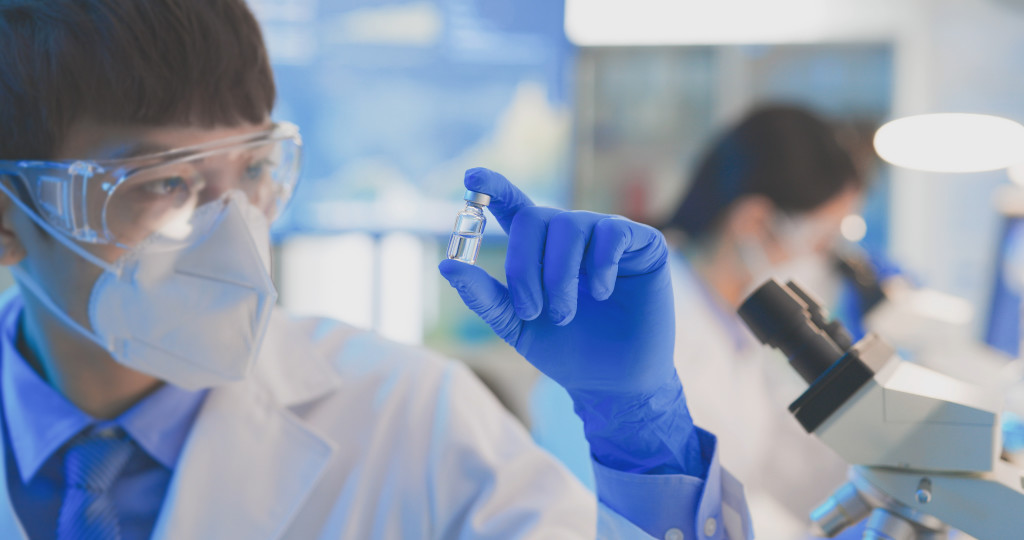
(589, 303)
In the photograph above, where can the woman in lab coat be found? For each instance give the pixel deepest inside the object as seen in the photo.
(766, 201)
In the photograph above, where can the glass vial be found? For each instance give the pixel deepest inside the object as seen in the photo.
(469, 228)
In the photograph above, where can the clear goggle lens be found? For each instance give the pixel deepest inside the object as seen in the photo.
(171, 195)
(163, 200)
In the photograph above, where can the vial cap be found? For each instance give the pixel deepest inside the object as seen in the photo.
(479, 198)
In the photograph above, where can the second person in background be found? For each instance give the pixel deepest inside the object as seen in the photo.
(766, 201)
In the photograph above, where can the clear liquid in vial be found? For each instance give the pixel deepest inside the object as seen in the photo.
(467, 234)
(464, 247)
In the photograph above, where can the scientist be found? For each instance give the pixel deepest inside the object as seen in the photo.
(149, 389)
(766, 201)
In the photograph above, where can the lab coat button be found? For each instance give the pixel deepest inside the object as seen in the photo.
(673, 534)
(710, 526)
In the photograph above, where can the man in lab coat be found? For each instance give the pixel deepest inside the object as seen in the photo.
(149, 389)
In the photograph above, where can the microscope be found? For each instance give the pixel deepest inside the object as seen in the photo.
(927, 327)
(924, 447)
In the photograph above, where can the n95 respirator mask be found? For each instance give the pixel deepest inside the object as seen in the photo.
(193, 316)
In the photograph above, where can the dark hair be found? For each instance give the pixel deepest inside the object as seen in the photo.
(142, 62)
(784, 153)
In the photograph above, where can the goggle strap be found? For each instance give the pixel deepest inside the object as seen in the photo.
(28, 282)
(59, 236)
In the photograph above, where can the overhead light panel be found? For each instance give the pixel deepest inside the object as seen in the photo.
(720, 22)
(951, 142)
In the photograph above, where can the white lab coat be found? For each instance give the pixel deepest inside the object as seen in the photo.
(740, 390)
(340, 434)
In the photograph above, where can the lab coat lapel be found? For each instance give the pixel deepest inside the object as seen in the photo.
(246, 468)
(10, 526)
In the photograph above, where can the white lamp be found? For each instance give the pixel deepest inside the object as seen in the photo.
(718, 22)
(951, 142)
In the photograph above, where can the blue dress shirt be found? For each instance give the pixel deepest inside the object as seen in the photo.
(39, 421)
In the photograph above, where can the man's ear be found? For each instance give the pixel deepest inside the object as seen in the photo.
(749, 217)
(12, 251)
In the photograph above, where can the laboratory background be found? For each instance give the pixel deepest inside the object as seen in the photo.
(606, 106)
(611, 106)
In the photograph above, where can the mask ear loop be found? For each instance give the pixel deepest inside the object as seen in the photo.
(37, 291)
(30, 283)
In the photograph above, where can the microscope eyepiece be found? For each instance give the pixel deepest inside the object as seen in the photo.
(788, 318)
(779, 316)
(819, 316)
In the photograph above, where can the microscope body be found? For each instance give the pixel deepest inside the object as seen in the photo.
(909, 416)
(924, 447)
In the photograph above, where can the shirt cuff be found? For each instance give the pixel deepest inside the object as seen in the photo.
(675, 506)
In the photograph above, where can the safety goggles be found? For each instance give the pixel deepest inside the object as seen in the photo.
(125, 202)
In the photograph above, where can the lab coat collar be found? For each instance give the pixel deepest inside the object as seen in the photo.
(250, 463)
(699, 304)
(291, 366)
(10, 527)
(247, 468)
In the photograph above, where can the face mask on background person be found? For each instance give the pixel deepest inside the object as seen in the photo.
(805, 245)
(190, 302)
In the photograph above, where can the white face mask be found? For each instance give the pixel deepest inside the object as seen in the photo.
(195, 316)
(813, 270)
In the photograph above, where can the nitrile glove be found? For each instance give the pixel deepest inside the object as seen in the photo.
(589, 303)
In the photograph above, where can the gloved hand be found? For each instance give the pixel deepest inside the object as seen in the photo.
(589, 303)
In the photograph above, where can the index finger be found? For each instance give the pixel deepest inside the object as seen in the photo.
(506, 198)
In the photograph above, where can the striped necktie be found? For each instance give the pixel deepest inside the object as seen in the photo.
(91, 465)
